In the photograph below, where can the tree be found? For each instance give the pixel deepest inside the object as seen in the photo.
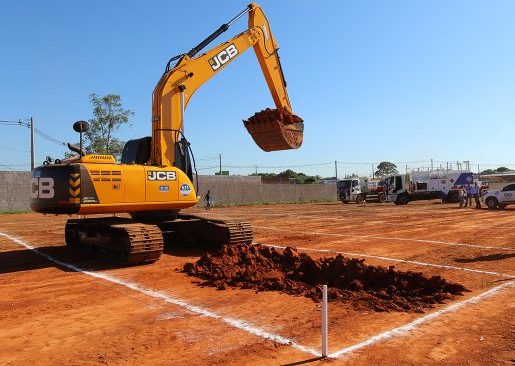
(488, 172)
(386, 168)
(108, 117)
(501, 169)
(297, 178)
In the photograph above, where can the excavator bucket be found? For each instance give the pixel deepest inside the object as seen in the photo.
(274, 129)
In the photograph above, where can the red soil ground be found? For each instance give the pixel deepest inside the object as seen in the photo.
(51, 315)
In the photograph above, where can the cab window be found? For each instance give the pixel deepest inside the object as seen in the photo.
(510, 187)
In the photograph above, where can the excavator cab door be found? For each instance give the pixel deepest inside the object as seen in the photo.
(182, 157)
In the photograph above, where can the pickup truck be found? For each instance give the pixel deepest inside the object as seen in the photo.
(500, 198)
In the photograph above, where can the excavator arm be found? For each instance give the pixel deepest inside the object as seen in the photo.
(272, 130)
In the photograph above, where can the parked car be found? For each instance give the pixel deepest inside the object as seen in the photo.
(500, 198)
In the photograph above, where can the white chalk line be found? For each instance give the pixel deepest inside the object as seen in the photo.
(236, 323)
(399, 221)
(240, 324)
(402, 330)
(384, 238)
(397, 260)
(399, 331)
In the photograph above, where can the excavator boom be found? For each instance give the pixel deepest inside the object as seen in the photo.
(277, 129)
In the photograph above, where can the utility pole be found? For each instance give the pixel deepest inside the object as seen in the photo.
(220, 159)
(32, 159)
(336, 177)
(406, 168)
(431, 164)
(256, 169)
(373, 175)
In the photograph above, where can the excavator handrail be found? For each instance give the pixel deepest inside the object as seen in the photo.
(223, 28)
(180, 134)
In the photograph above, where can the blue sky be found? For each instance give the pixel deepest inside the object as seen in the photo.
(403, 81)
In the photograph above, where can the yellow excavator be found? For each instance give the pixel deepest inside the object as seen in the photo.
(153, 182)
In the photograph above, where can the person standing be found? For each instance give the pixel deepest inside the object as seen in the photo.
(461, 196)
(209, 199)
(475, 193)
(468, 197)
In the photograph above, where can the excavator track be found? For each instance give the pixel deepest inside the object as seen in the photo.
(206, 231)
(137, 242)
(240, 232)
(132, 242)
(142, 243)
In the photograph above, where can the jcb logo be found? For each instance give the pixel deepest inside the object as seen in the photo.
(223, 57)
(154, 175)
(42, 188)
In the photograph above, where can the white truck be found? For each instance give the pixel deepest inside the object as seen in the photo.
(500, 198)
(426, 185)
(360, 189)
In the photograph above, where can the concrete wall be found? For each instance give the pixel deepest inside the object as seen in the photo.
(237, 190)
(15, 190)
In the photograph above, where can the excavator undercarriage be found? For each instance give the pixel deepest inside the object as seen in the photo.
(137, 242)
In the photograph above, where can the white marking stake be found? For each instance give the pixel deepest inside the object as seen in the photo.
(324, 321)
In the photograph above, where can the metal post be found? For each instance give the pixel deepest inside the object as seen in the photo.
(220, 159)
(181, 89)
(336, 177)
(80, 140)
(32, 159)
(324, 321)
(185, 144)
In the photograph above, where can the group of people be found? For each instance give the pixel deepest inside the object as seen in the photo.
(467, 193)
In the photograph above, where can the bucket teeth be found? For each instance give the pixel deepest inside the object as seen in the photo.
(274, 129)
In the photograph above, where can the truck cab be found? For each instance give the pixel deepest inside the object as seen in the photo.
(397, 189)
(360, 189)
(348, 190)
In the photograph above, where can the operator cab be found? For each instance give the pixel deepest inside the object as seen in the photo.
(137, 151)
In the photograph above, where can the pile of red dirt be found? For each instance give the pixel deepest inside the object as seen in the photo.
(266, 268)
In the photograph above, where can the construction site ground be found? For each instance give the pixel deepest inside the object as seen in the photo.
(70, 307)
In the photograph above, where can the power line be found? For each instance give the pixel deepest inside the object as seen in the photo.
(13, 149)
(47, 137)
(203, 159)
(6, 165)
(37, 131)
(276, 166)
(208, 167)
